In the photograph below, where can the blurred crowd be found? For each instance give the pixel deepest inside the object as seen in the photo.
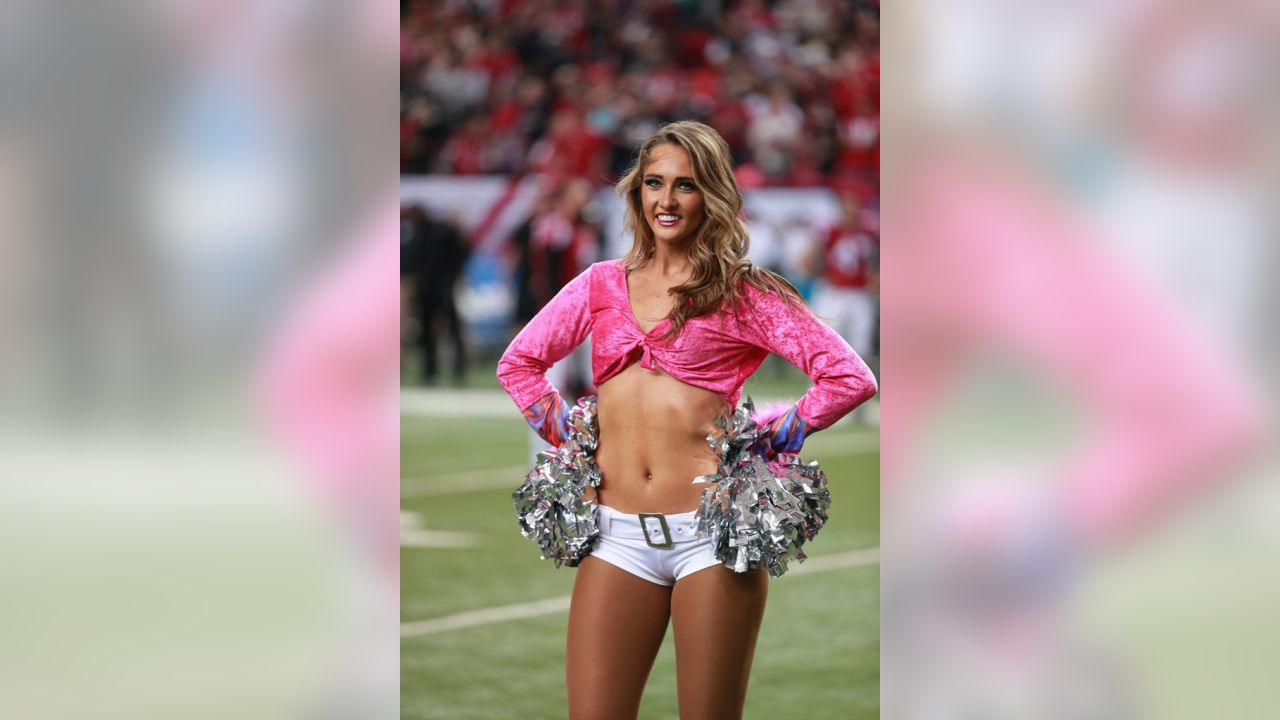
(569, 87)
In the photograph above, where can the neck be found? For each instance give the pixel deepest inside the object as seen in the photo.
(669, 261)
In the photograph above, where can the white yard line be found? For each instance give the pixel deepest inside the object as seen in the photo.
(414, 535)
(463, 482)
(422, 402)
(416, 538)
(550, 606)
(488, 616)
(835, 561)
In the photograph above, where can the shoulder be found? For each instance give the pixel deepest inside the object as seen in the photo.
(605, 269)
(775, 305)
(767, 288)
(604, 277)
(607, 266)
(750, 301)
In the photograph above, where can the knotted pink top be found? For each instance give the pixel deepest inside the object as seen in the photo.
(717, 352)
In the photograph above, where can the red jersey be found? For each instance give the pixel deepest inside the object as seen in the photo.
(849, 257)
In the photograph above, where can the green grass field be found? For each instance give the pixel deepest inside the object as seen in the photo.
(818, 655)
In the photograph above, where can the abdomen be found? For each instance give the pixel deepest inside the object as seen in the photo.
(653, 441)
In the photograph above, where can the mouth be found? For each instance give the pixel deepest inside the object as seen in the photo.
(667, 219)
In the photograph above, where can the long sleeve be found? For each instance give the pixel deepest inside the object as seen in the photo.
(551, 335)
(841, 380)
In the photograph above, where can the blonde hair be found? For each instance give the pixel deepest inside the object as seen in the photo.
(718, 249)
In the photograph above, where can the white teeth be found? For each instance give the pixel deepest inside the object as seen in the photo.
(668, 218)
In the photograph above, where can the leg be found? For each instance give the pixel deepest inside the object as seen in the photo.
(406, 314)
(716, 614)
(616, 624)
(862, 322)
(455, 336)
(427, 310)
(846, 324)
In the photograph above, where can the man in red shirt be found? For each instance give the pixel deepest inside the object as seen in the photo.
(847, 292)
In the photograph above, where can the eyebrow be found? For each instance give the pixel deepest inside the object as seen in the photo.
(663, 177)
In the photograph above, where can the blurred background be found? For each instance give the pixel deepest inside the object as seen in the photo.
(198, 436)
(1078, 470)
(516, 120)
(208, 405)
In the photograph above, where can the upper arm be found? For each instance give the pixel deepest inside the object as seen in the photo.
(841, 380)
(550, 336)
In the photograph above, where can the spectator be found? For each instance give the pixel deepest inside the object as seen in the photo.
(569, 87)
(775, 130)
(527, 300)
(766, 245)
(846, 295)
(436, 252)
(800, 243)
(860, 143)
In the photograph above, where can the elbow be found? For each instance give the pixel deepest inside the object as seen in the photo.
(857, 390)
(836, 397)
(860, 392)
(509, 371)
(503, 372)
(870, 388)
(862, 386)
(521, 376)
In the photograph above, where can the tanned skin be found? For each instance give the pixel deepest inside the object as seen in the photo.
(653, 431)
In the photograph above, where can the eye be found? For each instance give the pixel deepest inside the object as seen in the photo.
(653, 183)
(687, 186)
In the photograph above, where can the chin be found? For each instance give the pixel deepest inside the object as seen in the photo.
(665, 235)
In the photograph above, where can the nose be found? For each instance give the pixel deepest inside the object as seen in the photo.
(667, 199)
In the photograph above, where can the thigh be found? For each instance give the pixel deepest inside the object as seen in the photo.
(616, 624)
(716, 616)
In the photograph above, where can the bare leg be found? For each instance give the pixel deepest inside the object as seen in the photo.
(716, 614)
(616, 624)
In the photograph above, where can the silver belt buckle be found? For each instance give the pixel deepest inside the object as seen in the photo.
(666, 543)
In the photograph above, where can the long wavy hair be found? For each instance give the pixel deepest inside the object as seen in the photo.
(718, 249)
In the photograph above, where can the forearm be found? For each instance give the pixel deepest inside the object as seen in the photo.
(552, 334)
(841, 379)
(783, 429)
(549, 417)
(788, 431)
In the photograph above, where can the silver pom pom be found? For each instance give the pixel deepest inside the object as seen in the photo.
(760, 512)
(550, 505)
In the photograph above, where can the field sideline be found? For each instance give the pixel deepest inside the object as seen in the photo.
(483, 619)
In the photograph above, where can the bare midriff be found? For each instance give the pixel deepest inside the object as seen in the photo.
(653, 441)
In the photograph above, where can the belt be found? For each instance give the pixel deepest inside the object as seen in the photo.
(656, 529)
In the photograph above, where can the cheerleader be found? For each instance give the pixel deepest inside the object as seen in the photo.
(676, 327)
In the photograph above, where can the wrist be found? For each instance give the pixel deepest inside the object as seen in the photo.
(549, 417)
(787, 433)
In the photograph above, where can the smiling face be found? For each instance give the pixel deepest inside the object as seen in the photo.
(669, 195)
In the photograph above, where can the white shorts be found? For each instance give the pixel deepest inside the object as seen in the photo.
(663, 550)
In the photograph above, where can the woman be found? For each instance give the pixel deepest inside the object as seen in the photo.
(677, 326)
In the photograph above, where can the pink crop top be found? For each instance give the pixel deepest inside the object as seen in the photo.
(714, 351)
